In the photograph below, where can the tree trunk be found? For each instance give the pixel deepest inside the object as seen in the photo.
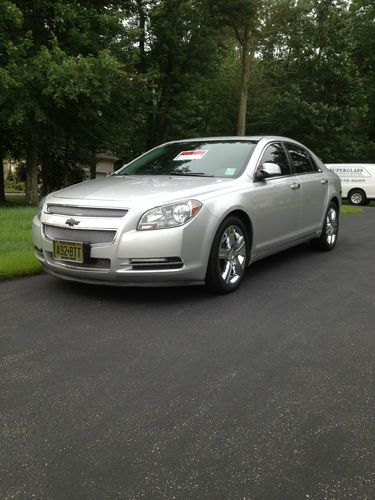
(2, 190)
(32, 196)
(66, 166)
(245, 73)
(45, 170)
(93, 165)
(142, 33)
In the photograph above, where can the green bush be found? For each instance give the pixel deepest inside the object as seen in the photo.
(12, 186)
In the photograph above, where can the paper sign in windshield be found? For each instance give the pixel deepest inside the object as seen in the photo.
(191, 155)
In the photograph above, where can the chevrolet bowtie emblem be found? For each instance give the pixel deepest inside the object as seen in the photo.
(72, 222)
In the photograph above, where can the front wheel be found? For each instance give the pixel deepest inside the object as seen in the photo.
(228, 257)
(327, 240)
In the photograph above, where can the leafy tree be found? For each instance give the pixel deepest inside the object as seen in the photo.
(306, 84)
(363, 16)
(10, 20)
(244, 17)
(66, 78)
(179, 56)
(78, 76)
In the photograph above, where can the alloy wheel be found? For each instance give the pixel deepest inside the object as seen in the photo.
(232, 254)
(331, 226)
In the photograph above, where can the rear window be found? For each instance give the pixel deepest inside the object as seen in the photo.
(195, 158)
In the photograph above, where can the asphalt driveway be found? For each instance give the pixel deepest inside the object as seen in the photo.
(175, 393)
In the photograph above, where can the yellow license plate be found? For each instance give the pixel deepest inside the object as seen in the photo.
(68, 250)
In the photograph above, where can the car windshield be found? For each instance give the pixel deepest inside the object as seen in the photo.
(221, 158)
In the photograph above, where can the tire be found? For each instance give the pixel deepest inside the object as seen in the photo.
(327, 240)
(357, 197)
(229, 256)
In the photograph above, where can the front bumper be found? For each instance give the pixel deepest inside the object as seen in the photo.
(175, 256)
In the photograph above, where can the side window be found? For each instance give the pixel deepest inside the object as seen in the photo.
(315, 165)
(300, 158)
(275, 153)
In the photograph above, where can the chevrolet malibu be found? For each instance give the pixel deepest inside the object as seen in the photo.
(190, 212)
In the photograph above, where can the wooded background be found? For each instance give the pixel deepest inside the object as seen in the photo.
(82, 76)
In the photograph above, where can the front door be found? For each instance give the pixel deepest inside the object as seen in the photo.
(276, 204)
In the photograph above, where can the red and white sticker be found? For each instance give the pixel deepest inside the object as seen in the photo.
(191, 155)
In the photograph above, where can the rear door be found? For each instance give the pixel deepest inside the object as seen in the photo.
(314, 188)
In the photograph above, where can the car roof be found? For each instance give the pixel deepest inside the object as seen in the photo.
(256, 138)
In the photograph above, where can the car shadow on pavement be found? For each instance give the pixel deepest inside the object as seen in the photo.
(176, 294)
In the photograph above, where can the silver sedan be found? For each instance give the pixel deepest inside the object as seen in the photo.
(190, 212)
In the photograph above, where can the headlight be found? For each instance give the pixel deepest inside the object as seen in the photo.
(166, 216)
(40, 207)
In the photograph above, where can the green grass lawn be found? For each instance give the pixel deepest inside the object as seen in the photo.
(349, 210)
(16, 248)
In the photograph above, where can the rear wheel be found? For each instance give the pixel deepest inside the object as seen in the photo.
(327, 240)
(357, 197)
(228, 257)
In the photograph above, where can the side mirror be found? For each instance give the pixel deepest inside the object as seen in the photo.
(267, 169)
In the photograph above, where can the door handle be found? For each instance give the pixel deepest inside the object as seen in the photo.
(324, 181)
(295, 185)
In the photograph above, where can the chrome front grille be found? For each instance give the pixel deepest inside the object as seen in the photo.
(91, 236)
(85, 211)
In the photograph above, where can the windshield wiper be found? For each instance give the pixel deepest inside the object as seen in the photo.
(193, 174)
(182, 174)
(133, 174)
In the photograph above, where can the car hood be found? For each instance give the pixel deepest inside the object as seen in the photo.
(133, 190)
